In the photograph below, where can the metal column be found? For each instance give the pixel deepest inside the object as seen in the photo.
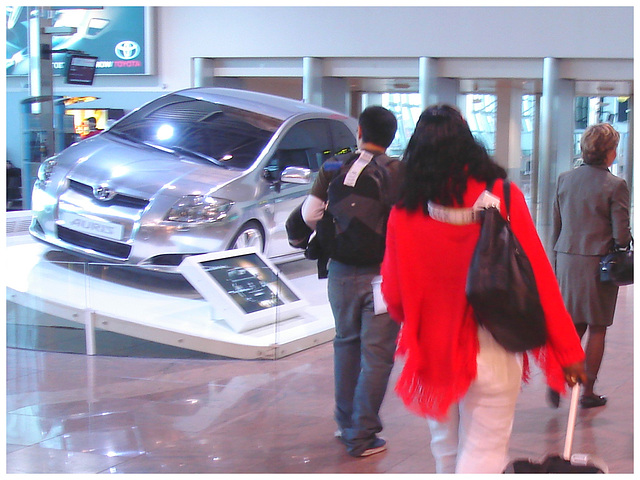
(427, 77)
(39, 133)
(509, 127)
(202, 74)
(629, 165)
(548, 124)
(312, 80)
(535, 162)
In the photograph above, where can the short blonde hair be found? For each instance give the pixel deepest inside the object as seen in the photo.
(597, 141)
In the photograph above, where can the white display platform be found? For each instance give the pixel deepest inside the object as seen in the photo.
(37, 282)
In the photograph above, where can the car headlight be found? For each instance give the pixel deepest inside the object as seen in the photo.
(45, 171)
(194, 209)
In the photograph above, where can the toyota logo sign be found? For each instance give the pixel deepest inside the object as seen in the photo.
(103, 193)
(127, 50)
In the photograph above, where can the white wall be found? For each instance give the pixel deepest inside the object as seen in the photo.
(462, 32)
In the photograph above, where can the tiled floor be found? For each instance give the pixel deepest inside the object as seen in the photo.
(159, 412)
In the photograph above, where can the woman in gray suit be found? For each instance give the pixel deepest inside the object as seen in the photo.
(590, 216)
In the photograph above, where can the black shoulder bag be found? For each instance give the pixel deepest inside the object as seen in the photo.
(501, 287)
(617, 267)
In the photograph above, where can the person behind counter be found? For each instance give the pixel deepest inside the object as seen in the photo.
(92, 129)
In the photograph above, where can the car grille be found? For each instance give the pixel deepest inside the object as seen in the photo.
(100, 245)
(119, 200)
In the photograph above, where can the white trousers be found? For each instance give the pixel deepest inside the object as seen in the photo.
(475, 436)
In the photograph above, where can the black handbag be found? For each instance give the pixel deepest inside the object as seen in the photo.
(501, 287)
(617, 267)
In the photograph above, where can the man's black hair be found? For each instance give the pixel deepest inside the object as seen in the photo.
(378, 126)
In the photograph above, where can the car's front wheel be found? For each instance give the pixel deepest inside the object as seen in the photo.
(250, 235)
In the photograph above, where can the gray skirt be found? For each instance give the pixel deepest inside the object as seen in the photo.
(587, 299)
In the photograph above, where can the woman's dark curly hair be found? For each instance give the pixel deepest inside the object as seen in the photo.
(441, 155)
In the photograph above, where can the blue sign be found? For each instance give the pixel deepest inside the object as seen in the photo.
(116, 35)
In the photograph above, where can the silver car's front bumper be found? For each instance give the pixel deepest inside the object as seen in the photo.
(124, 230)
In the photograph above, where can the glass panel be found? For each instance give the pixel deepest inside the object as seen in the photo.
(53, 296)
(480, 112)
(406, 108)
(527, 135)
(613, 110)
(43, 313)
(527, 144)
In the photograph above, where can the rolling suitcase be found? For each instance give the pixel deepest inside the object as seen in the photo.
(567, 463)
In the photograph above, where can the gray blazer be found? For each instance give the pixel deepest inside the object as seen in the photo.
(590, 212)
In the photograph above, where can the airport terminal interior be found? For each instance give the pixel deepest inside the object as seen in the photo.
(114, 369)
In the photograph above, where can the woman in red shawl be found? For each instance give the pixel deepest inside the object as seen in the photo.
(455, 373)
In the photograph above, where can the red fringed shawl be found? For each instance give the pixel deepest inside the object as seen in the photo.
(424, 274)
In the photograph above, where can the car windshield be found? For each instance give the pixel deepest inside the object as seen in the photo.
(226, 135)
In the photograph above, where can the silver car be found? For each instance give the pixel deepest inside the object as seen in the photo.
(199, 170)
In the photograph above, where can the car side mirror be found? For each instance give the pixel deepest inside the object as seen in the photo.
(299, 175)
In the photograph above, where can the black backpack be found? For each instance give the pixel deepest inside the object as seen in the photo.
(353, 228)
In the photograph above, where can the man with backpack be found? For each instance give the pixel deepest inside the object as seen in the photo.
(348, 206)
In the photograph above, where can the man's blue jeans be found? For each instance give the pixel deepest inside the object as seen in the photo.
(364, 348)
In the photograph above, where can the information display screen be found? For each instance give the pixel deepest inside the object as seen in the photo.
(243, 288)
(250, 282)
(81, 69)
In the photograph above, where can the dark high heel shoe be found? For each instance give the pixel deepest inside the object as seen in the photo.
(553, 398)
(593, 401)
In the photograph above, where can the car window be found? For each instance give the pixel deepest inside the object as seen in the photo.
(307, 144)
(343, 139)
(230, 135)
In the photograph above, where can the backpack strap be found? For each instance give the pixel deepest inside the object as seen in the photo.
(348, 162)
(337, 164)
(357, 167)
(386, 190)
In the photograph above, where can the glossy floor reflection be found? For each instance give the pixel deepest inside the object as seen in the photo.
(71, 413)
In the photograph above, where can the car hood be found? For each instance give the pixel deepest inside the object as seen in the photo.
(140, 170)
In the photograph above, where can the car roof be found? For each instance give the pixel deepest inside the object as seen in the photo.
(270, 105)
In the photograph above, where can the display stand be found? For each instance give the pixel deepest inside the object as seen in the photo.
(243, 288)
(183, 321)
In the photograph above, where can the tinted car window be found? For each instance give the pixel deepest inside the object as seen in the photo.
(343, 139)
(231, 136)
(307, 144)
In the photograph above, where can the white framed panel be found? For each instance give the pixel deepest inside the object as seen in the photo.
(243, 288)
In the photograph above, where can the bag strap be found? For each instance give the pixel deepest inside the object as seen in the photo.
(354, 157)
(344, 160)
(356, 168)
(620, 248)
(506, 189)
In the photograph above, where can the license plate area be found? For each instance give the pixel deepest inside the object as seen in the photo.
(96, 227)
